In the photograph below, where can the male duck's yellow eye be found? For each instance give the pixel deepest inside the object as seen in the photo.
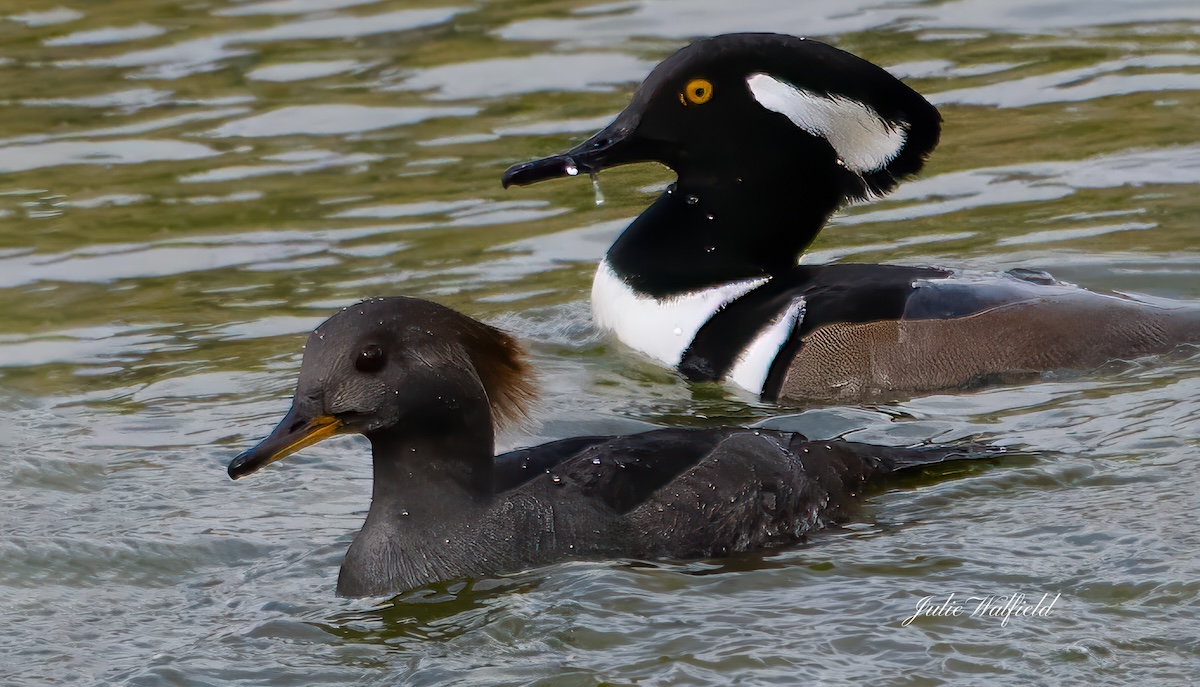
(698, 91)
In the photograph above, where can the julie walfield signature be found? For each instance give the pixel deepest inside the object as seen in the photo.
(988, 606)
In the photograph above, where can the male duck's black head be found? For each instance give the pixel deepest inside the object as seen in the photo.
(769, 134)
(402, 371)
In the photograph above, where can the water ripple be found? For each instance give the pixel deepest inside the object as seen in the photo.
(512, 76)
(20, 158)
(324, 120)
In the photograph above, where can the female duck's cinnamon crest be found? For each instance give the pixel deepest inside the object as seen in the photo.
(769, 135)
(425, 384)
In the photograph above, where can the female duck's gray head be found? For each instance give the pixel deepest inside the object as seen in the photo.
(396, 365)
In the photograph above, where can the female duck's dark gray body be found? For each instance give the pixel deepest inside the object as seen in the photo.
(675, 494)
(424, 383)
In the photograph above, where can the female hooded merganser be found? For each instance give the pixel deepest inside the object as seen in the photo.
(769, 135)
(426, 385)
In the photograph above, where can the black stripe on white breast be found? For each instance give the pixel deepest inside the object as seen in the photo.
(721, 342)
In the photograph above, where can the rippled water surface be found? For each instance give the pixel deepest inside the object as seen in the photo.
(187, 188)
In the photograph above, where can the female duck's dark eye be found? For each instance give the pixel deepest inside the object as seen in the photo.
(370, 359)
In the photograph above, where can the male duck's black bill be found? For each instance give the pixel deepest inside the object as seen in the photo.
(291, 435)
(608, 148)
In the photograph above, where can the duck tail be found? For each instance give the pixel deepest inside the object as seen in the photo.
(847, 467)
(890, 459)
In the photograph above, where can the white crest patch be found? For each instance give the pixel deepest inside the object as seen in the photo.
(661, 328)
(864, 141)
(751, 370)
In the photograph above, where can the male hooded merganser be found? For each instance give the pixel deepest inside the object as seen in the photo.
(427, 386)
(769, 135)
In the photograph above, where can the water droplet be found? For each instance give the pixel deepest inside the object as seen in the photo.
(710, 249)
(596, 188)
(595, 461)
(678, 331)
(757, 433)
(692, 199)
(709, 217)
(404, 513)
(840, 162)
(447, 541)
(570, 168)
(557, 479)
